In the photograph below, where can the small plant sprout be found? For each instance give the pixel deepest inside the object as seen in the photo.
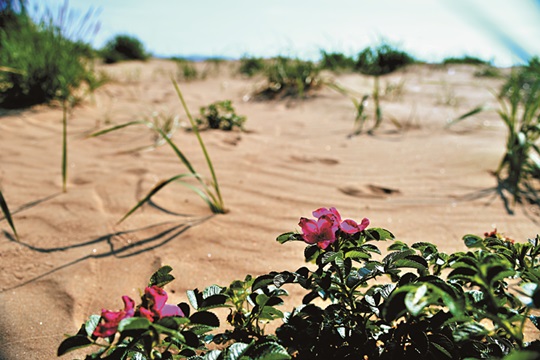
(7, 214)
(412, 302)
(211, 194)
(220, 115)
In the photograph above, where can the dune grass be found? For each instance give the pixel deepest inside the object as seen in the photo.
(289, 78)
(210, 194)
(7, 214)
(519, 110)
(336, 61)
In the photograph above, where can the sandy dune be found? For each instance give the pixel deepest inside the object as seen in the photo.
(421, 181)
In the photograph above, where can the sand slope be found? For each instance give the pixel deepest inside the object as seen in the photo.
(423, 182)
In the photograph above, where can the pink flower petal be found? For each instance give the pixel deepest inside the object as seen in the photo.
(349, 226)
(171, 310)
(364, 224)
(110, 319)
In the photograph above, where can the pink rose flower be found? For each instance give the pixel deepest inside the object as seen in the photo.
(110, 319)
(349, 226)
(157, 308)
(321, 232)
(331, 213)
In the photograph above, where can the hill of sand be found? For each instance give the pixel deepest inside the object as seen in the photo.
(412, 176)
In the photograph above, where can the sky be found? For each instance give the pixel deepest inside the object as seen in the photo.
(506, 32)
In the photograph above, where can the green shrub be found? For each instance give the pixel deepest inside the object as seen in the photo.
(465, 59)
(44, 64)
(412, 302)
(251, 66)
(336, 61)
(220, 115)
(289, 78)
(123, 47)
(382, 60)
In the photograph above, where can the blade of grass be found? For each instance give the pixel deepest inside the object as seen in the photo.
(7, 214)
(473, 112)
(64, 146)
(152, 192)
(201, 143)
(117, 127)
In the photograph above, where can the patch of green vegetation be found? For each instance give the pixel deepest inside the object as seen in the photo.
(336, 61)
(220, 115)
(39, 63)
(185, 70)
(381, 60)
(123, 47)
(465, 60)
(288, 77)
(250, 66)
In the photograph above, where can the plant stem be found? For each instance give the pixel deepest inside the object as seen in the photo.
(201, 143)
(64, 146)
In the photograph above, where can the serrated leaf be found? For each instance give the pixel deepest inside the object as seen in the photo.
(269, 351)
(357, 254)
(417, 300)
(193, 297)
(235, 351)
(73, 343)
(212, 355)
(205, 318)
(91, 324)
(378, 234)
(212, 290)
(134, 323)
(473, 241)
(161, 277)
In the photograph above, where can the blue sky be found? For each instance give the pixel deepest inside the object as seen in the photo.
(504, 31)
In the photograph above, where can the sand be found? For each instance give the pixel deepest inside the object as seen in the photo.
(419, 180)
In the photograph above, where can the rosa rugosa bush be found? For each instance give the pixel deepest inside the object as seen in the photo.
(410, 301)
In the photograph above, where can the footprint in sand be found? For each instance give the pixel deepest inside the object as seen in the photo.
(311, 159)
(369, 191)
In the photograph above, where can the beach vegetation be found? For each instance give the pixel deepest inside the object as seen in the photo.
(220, 115)
(209, 193)
(123, 47)
(464, 60)
(289, 78)
(186, 70)
(251, 66)
(7, 214)
(519, 110)
(336, 61)
(378, 61)
(359, 302)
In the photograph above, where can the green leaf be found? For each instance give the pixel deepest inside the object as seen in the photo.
(212, 290)
(205, 318)
(417, 300)
(468, 114)
(412, 261)
(357, 255)
(134, 323)
(235, 351)
(468, 331)
(473, 241)
(289, 236)
(379, 234)
(269, 351)
(91, 324)
(194, 297)
(161, 277)
(270, 313)
(73, 343)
